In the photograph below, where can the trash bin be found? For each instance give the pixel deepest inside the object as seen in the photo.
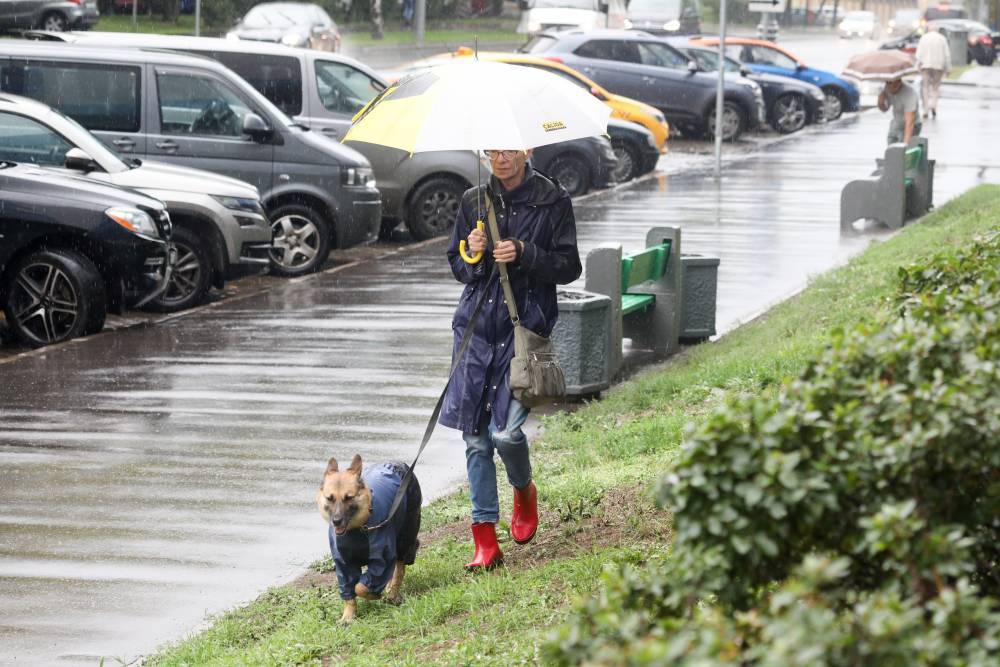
(582, 339)
(958, 45)
(699, 287)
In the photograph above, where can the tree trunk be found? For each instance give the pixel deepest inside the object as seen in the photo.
(378, 27)
(171, 10)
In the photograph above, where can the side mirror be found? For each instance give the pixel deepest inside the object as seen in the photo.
(255, 126)
(799, 67)
(745, 71)
(77, 159)
(693, 67)
(596, 92)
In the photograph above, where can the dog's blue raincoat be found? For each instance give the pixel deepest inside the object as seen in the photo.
(377, 548)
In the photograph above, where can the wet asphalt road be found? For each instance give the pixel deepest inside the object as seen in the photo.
(154, 475)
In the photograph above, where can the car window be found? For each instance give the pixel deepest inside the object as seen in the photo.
(765, 56)
(278, 78)
(609, 49)
(99, 97)
(322, 18)
(661, 55)
(344, 89)
(27, 141)
(709, 60)
(538, 44)
(197, 105)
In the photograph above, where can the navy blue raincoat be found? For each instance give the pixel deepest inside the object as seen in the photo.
(540, 213)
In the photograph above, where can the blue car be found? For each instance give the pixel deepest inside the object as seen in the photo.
(769, 58)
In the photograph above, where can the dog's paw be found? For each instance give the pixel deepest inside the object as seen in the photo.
(363, 592)
(350, 611)
(394, 598)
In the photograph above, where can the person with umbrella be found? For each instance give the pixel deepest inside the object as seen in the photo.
(891, 66)
(507, 110)
(535, 218)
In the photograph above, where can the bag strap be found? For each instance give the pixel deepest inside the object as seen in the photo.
(508, 293)
(429, 430)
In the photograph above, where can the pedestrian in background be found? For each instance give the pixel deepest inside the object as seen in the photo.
(934, 58)
(902, 98)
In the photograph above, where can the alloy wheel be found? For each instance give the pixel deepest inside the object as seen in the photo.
(626, 165)
(46, 305)
(568, 175)
(789, 113)
(54, 23)
(296, 241)
(186, 276)
(834, 107)
(438, 210)
(731, 123)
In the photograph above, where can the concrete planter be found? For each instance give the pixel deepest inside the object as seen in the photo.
(699, 289)
(582, 339)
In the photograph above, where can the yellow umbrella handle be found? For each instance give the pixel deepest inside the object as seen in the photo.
(474, 259)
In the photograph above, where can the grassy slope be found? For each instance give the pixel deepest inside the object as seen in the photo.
(591, 466)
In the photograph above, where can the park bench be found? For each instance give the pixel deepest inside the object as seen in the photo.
(645, 292)
(902, 187)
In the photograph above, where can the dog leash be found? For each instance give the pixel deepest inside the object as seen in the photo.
(463, 346)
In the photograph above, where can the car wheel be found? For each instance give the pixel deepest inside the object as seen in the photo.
(301, 240)
(834, 105)
(788, 113)
(629, 160)
(54, 22)
(433, 207)
(733, 121)
(572, 173)
(55, 295)
(191, 277)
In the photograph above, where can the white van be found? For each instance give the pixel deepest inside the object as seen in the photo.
(539, 15)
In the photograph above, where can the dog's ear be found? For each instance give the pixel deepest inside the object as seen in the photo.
(332, 466)
(355, 466)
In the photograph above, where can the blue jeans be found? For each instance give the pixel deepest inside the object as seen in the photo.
(512, 445)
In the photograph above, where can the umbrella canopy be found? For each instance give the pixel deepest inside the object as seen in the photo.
(479, 106)
(881, 66)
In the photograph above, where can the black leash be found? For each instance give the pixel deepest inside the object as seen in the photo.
(466, 337)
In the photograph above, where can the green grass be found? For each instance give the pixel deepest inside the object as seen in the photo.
(153, 24)
(592, 467)
(956, 72)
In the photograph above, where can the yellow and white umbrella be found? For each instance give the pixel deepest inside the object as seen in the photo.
(479, 106)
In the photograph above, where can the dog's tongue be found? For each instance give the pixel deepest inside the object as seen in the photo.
(340, 531)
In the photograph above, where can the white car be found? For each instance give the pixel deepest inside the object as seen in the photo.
(859, 24)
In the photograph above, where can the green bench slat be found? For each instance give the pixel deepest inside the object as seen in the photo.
(649, 264)
(911, 160)
(636, 302)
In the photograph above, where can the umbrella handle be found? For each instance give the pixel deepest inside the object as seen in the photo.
(474, 259)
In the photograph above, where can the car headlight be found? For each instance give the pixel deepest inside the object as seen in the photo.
(294, 39)
(134, 220)
(672, 26)
(628, 24)
(239, 203)
(358, 176)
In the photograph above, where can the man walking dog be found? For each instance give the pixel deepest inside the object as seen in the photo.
(538, 231)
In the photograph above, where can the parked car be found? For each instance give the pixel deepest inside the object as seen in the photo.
(982, 42)
(646, 68)
(791, 104)
(664, 17)
(290, 23)
(943, 10)
(220, 229)
(903, 22)
(635, 149)
(539, 15)
(768, 57)
(859, 24)
(71, 247)
(193, 112)
(54, 15)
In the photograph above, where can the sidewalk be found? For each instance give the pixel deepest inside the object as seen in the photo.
(182, 458)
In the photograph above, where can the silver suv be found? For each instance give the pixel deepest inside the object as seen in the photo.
(220, 228)
(323, 91)
(53, 15)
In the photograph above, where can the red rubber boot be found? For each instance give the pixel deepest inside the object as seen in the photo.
(524, 522)
(488, 554)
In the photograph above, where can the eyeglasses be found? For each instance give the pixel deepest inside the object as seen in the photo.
(506, 155)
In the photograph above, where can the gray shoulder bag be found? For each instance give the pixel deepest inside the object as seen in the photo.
(535, 375)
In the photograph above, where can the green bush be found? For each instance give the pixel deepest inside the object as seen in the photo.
(884, 455)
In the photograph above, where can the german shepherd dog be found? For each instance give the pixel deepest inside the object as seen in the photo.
(346, 501)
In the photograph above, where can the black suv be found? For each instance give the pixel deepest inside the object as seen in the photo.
(71, 248)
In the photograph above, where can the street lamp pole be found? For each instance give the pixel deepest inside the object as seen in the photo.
(135, 15)
(197, 18)
(719, 95)
(419, 20)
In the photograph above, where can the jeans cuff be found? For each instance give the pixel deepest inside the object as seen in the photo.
(485, 518)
